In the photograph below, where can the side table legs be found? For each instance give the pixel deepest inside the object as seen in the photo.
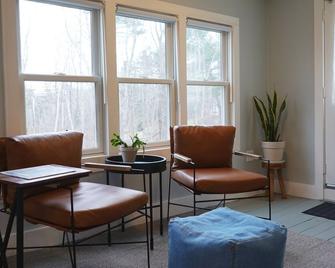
(160, 204)
(151, 214)
(122, 185)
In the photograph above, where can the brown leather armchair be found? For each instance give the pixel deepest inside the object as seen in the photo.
(201, 162)
(73, 206)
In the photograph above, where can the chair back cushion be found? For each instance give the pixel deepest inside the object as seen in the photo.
(208, 146)
(63, 148)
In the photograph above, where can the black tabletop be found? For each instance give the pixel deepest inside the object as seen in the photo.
(148, 163)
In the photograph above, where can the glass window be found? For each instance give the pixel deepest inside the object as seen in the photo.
(70, 105)
(144, 109)
(205, 105)
(141, 48)
(207, 72)
(55, 39)
(144, 73)
(59, 64)
(204, 55)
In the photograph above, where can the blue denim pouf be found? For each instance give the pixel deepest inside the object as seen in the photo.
(225, 238)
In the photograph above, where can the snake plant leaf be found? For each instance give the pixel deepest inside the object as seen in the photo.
(281, 110)
(261, 115)
(270, 116)
(274, 104)
(266, 118)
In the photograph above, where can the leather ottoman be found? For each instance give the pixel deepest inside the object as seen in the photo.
(225, 238)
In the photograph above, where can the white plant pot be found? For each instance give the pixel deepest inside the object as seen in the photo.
(128, 154)
(273, 151)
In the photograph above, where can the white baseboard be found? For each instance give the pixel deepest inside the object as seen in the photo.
(310, 191)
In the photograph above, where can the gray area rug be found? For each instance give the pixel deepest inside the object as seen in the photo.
(301, 251)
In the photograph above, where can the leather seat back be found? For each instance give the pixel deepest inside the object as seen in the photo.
(42, 149)
(63, 148)
(208, 146)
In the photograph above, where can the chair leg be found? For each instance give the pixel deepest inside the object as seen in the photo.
(68, 245)
(7, 235)
(63, 240)
(224, 200)
(74, 264)
(169, 196)
(269, 200)
(109, 235)
(147, 235)
(194, 205)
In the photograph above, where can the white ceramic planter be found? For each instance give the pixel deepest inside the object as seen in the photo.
(128, 154)
(273, 151)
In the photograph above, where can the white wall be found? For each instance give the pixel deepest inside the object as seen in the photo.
(290, 55)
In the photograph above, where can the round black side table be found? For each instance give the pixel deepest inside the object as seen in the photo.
(148, 164)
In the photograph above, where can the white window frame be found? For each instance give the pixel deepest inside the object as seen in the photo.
(225, 81)
(180, 92)
(14, 98)
(170, 52)
(95, 78)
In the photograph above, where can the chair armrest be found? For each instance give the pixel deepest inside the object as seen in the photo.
(249, 155)
(109, 167)
(183, 158)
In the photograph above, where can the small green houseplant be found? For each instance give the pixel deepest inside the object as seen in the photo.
(128, 151)
(270, 114)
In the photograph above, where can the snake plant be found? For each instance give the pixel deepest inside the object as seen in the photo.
(270, 115)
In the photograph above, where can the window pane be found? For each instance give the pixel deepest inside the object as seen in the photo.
(59, 106)
(144, 109)
(140, 48)
(205, 105)
(55, 39)
(203, 55)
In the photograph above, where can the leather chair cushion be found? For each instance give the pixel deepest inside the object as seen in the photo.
(220, 180)
(94, 205)
(208, 146)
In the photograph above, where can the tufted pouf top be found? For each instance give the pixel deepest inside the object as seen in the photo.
(225, 238)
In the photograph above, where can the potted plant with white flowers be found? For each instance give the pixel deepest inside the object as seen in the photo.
(128, 151)
(270, 116)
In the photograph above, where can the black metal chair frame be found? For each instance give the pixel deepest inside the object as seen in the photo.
(193, 191)
(72, 244)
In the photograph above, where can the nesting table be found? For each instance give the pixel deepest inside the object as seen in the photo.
(146, 165)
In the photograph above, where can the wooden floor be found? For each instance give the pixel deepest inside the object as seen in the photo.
(289, 213)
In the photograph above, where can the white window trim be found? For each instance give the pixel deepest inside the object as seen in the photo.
(14, 98)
